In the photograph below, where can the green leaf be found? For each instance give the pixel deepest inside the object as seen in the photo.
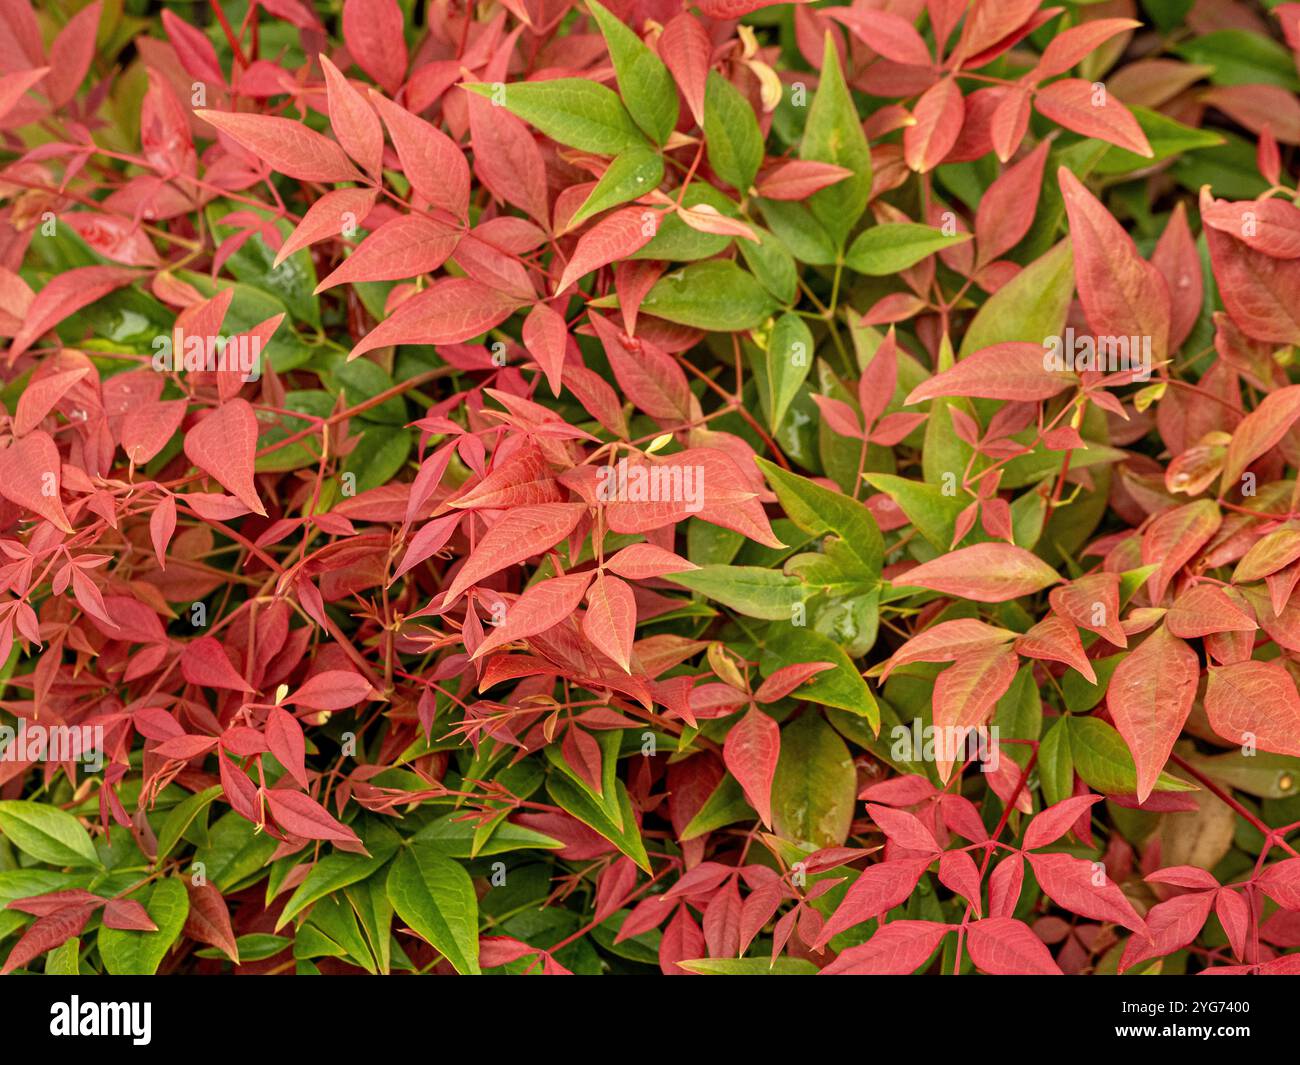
(649, 91)
(140, 953)
(894, 246)
(179, 819)
(633, 173)
(64, 960)
(379, 455)
(797, 229)
(772, 263)
(573, 111)
(755, 591)
(435, 897)
(716, 295)
(1080, 693)
(788, 359)
(1260, 773)
(454, 836)
(338, 869)
(574, 800)
(1167, 138)
(47, 833)
(725, 806)
(815, 785)
(1103, 760)
(1029, 307)
(731, 134)
(819, 510)
(933, 513)
(675, 241)
(842, 687)
(1056, 763)
(1240, 57)
(833, 134)
(750, 967)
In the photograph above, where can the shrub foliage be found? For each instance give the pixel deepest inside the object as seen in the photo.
(544, 487)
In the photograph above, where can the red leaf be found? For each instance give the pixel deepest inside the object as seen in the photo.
(1172, 925)
(546, 336)
(1281, 883)
(507, 159)
(429, 539)
(1255, 702)
(303, 816)
(46, 933)
(1234, 915)
(1003, 946)
(1056, 640)
(520, 534)
(903, 828)
(686, 51)
(542, 606)
(789, 678)
(610, 620)
(328, 217)
(987, 573)
(148, 428)
(1083, 887)
(957, 872)
(964, 697)
(938, 114)
(1122, 294)
(1007, 208)
(651, 379)
(224, 444)
(615, 236)
(885, 33)
(1072, 46)
(1174, 538)
(1013, 370)
(128, 915)
(1259, 432)
(373, 31)
(353, 120)
(1076, 105)
(1179, 264)
(286, 146)
(797, 179)
(947, 641)
(71, 53)
(31, 476)
(450, 311)
(638, 562)
(896, 949)
(750, 752)
(432, 162)
(1054, 822)
(204, 662)
(880, 888)
(331, 689)
(285, 739)
(405, 246)
(1260, 293)
(193, 49)
(1150, 696)
(209, 919)
(66, 294)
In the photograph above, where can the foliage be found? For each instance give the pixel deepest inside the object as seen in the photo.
(522, 487)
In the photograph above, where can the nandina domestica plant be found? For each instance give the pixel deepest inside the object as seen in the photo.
(701, 488)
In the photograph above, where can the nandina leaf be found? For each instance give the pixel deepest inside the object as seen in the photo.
(31, 476)
(903, 828)
(507, 159)
(1083, 887)
(650, 378)
(1268, 226)
(329, 217)
(896, 949)
(1006, 210)
(938, 114)
(402, 247)
(686, 50)
(285, 739)
(1259, 432)
(1003, 946)
(373, 32)
(957, 872)
(1070, 47)
(286, 146)
(947, 641)
(1056, 640)
(787, 679)
(1172, 925)
(209, 919)
(353, 120)
(1092, 603)
(1004, 371)
(751, 751)
(1179, 264)
(987, 573)
(546, 336)
(451, 310)
(1261, 293)
(541, 607)
(204, 662)
(331, 689)
(41, 396)
(66, 294)
(304, 816)
(129, 915)
(1150, 695)
(1281, 883)
(1122, 294)
(616, 236)
(1054, 822)
(1255, 703)
(610, 620)
(521, 533)
(964, 696)
(1077, 105)
(638, 562)
(71, 53)
(879, 888)
(432, 162)
(887, 34)
(45, 934)
(1174, 538)
(224, 445)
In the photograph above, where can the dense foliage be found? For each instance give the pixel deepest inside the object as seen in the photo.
(535, 486)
